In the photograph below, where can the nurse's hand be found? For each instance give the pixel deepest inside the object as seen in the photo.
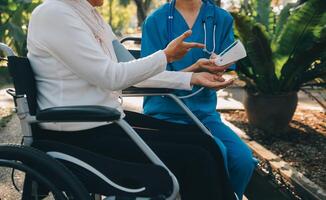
(177, 48)
(207, 65)
(209, 80)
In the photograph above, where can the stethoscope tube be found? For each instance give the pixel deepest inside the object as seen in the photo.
(205, 41)
(170, 38)
(170, 19)
(170, 26)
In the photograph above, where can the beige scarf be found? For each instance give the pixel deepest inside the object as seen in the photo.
(92, 18)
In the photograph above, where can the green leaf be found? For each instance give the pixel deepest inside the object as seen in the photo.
(283, 59)
(13, 25)
(293, 73)
(4, 3)
(318, 72)
(263, 8)
(282, 19)
(257, 43)
(303, 45)
(124, 2)
(296, 34)
(17, 32)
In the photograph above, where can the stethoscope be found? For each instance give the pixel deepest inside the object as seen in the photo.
(170, 25)
(170, 37)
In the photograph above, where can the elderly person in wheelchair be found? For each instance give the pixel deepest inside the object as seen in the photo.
(79, 119)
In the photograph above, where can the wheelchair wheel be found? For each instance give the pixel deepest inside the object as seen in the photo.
(38, 176)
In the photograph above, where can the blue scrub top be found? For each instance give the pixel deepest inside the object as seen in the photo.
(155, 37)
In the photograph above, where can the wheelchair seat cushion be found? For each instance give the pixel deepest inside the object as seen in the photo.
(96, 172)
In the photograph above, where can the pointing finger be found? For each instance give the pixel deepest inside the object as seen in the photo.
(184, 36)
(193, 45)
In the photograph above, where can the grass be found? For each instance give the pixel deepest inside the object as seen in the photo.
(4, 120)
(5, 81)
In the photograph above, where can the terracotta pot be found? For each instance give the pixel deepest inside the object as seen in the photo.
(271, 113)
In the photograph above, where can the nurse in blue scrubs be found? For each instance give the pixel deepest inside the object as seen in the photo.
(212, 26)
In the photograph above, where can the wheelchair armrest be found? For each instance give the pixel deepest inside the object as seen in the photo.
(78, 114)
(136, 90)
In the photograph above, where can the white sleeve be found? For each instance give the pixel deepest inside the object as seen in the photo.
(65, 36)
(169, 79)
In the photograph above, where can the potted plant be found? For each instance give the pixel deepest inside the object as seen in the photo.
(285, 50)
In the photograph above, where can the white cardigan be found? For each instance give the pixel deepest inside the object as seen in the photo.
(72, 69)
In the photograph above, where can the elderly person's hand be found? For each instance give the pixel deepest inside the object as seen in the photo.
(177, 48)
(209, 80)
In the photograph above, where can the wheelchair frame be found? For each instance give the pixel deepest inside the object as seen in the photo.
(26, 120)
(139, 92)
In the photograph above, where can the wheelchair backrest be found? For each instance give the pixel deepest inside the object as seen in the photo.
(135, 52)
(24, 80)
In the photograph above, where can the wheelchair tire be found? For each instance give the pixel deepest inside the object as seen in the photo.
(39, 178)
(53, 172)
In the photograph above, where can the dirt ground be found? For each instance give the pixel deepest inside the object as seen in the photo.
(303, 145)
(9, 134)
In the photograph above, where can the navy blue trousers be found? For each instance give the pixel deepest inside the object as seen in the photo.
(238, 157)
(192, 155)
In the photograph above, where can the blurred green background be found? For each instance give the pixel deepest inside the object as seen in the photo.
(125, 16)
(287, 35)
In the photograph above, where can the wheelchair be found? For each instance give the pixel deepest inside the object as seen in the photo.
(55, 171)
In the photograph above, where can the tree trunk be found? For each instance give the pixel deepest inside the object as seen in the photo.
(110, 12)
(141, 11)
(246, 3)
(301, 1)
(218, 2)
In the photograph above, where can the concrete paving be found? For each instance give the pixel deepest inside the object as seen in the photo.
(228, 99)
(5, 100)
(232, 98)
